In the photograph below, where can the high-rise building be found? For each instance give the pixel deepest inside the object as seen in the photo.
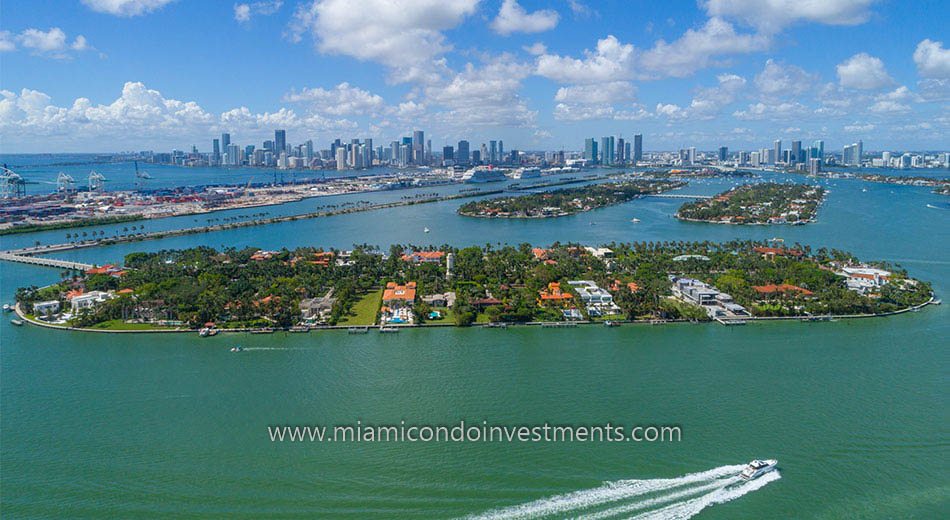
(280, 141)
(225, 142)
(778, 151)
(692, 155)
(859, 153)
(590, 150)
(341, 158)
(368, 159)
(215, 151)
(796, 155)
(418, 146)
(621, 157)
(814, 166)
(234, 155)
(626, 152)
(637, 148)
(501, 151)
(448, 155)
(605, 150)
(492, 152)
(461, 156)
(818, 148)
(723, 153)
(476, 156)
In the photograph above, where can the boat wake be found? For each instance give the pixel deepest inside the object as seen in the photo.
(660, 499)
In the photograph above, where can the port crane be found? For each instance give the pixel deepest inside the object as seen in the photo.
(96, 180)
(140, 177)
(12, 185)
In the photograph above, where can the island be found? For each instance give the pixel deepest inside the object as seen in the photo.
(566, 201)
(765, 203)
(562, 284)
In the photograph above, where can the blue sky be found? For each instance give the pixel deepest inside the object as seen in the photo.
(110, 75)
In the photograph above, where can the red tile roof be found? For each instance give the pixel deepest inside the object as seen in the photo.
(782, 288)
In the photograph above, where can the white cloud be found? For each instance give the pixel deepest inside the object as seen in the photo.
(863, 71)
(697, 48)
(612, 92)
(581, 10)
(709, 102)
(610, 61)
(6, 42)
(52, 43)
(933, 61)
(779, 111)
(125, 7)
(407, 39)
(244, 12)
(670, 110)
(779, 79)
(536, 49)
(771, 16)
(486, 95)
(139, 117)
(513, 18)
(859, 127)
(934, 89)
(340, 100)
(887, 106)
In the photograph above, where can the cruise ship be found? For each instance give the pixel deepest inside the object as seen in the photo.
(757, 468)
(527, 173)
(483, 174)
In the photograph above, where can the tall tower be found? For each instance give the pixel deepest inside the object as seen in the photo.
(778, 150)
(637, 148)
(280, 141)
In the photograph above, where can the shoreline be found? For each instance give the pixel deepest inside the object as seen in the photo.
(542, 324)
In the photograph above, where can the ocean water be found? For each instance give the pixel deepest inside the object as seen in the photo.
(856, 412)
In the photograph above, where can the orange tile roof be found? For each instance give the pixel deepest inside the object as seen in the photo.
(74, 293)
(101, 270)
(423, 256)
(540, 254)
(784, 288)
(779, 251)
(554, 292)
(400, 292)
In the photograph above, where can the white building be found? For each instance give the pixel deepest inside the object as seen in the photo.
(46, 308)
(89, 300)
(596, 299)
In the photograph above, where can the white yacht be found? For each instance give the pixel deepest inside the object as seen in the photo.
(483, 174)
(757, 468)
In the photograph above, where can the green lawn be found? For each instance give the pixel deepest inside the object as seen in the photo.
(122, 325)
(448, 317)
(364, 311)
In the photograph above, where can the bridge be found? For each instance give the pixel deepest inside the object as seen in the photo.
(680, 196)
(47, 262)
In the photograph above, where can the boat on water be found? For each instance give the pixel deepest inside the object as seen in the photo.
(635, 220)
(389, 329)
(7, 307)
(426, 230)
(238, 348)
(527, 173)
(16, 322)
(480, 174)
(357, 330)
(611, 323)
(207, 332)
(757, 468)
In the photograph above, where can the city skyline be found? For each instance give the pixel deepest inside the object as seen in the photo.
(536, 75)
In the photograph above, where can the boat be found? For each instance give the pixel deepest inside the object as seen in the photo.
(238, 348)
(426, 230)
(207, 331)
(527, 173)
(610, 323)
(16, 322)
(635, 220)
(389, 329)
(480, 174)
(300, 328)
(357, 330)
(757, 468)
(262, 331)
(7, 307)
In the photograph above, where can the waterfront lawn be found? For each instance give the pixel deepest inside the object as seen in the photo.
(448, 317)
(364, 311)
(122, 325)
(683, 309)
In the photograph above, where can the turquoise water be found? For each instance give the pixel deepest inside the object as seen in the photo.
(107, 426)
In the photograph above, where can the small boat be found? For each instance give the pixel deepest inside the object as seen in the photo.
(635, 220)
(937, 302)
(610, 323)
(238, 348)
(426, 230)
(757, 468)
(300, 328)
(389, 329)
(357, 330)
(7, 307)
(207, 331)
(16, 322)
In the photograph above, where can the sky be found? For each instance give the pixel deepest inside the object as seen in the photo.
(119, 75)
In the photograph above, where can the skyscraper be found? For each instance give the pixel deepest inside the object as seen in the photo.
(796, 154)
(492, 152)
(341, 158)
(819, 147)
(637, 148)
(501, 151)
(620, 157)
(418, 146)
(590, 150)
(461, 156)
(225, 142)
(723, 153)
(215, 151)
(280, 141)
(778, 151)
(448, 154)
